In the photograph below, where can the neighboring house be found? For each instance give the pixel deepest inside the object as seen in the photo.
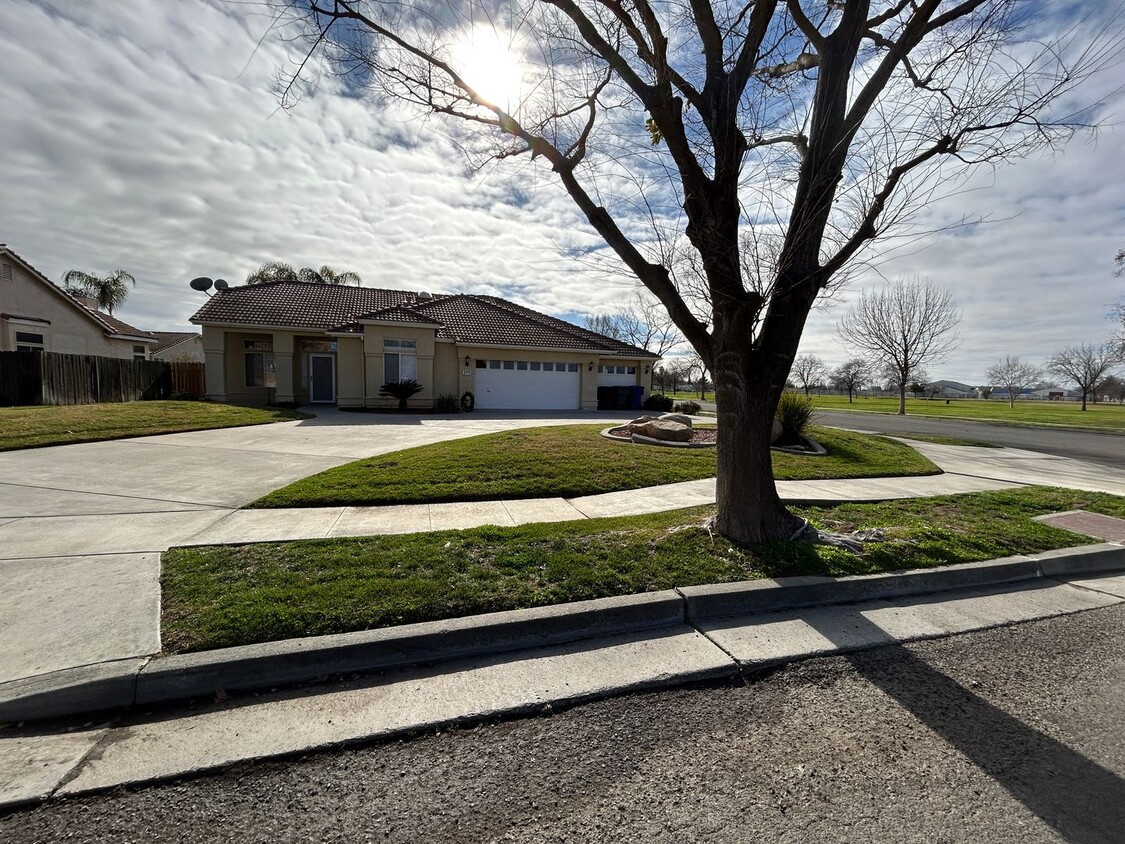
(1001, 394)
(38, 315)
(300, 342)
(1057, 394)
(951, 390)
(177, 345)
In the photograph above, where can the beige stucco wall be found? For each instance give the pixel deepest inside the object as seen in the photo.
(359, 366)
(373, 337)
(70, 330)
(189, 349)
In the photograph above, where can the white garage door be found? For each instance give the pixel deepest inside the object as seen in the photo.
(526, 385)
(612, 375)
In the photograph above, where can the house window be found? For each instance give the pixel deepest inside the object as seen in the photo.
(139, 353)
(494, 364)
(630, 370)
(400, 360)
(535, 366)
(601, 369)
(548, 367)
(261, 371)
(571, 367)
(521, 364)
(509, 364)
(482, 363)
(318, 345)
(26, 341)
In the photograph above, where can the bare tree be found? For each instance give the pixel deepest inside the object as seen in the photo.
(1015, 376)
(817, 126)
(808, 370)
(1113, 387)
(1085, 365)
(643, 323)
(850, 376)
(903, 328)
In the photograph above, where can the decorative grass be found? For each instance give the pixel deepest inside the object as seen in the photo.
(567, 461)
(221, 596)
(31, 427)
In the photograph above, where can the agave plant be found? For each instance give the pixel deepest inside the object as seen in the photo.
(401, 390)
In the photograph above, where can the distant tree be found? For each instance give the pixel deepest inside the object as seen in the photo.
(917, 388)
(281, 271)
(903, 328)
(1014, 375)
(850, 375)
(696, 370)
(643, 323)
(110, 291)
(1085, 365)
(1113, 387)
(808, 371)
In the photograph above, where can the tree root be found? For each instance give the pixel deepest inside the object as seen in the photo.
(853, 541)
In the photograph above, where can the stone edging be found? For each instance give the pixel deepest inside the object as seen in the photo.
(139, 681)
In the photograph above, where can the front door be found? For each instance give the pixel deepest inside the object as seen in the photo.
(322, 379)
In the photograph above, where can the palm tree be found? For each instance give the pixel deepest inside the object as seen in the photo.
(272, 271)
(281, 271)
(110, 291)
(327, 275)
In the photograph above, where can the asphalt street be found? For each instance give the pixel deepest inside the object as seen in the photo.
(1015, 734)
(1091, 446)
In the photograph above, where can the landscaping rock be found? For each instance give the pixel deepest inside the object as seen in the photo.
(676, 417)
(663, 429)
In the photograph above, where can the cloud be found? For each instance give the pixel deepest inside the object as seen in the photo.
(153, 141)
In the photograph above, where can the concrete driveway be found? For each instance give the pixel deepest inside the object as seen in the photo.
(82, 526)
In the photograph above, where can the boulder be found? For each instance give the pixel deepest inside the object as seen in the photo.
(663, 429)
(676, 417)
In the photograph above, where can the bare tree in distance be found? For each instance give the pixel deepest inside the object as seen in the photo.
(643, 323)
(903, 327)
(1015, 376)
(817, 126)
(850, 376)
(1085, 365)
(808, 370)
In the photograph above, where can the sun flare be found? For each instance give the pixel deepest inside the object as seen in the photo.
(487, 60)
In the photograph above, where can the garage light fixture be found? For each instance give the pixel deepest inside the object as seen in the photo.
(648, 369)
(466, 361)
(590, 368)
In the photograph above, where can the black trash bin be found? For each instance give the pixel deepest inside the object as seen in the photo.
(636, 397)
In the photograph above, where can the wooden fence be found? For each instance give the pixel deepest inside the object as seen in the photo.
(37, 378)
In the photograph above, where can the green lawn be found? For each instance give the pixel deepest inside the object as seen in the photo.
(220, 596)
(28, 427)
(1102, 415)
(567, 461)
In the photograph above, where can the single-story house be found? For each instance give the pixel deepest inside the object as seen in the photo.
(306, 342)
(177, 345)
(38, 315)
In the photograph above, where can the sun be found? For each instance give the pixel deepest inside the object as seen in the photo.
(487, 60)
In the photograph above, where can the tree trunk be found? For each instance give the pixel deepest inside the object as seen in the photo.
(749, 508)
(1083, 399)
(902, 399)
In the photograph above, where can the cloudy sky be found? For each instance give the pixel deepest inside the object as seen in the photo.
(147, 136)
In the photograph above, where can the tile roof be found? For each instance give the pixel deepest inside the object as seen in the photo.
(168, 339)
(465, 318)
(108, 324)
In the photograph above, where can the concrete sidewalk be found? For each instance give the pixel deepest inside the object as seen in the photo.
(146, 747)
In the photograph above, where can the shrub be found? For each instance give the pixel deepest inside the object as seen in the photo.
(691, 408)
(658, 401)
(794, 412)
(401, 390)
(447, 403)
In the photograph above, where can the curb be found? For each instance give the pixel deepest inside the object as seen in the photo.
(142, 681)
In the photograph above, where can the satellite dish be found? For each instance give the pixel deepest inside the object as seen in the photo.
(202, 283)
(221, 284)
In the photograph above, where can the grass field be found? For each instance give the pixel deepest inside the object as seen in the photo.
(567, 461)
(1102, 415)
(29, 427)
(221, 596)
